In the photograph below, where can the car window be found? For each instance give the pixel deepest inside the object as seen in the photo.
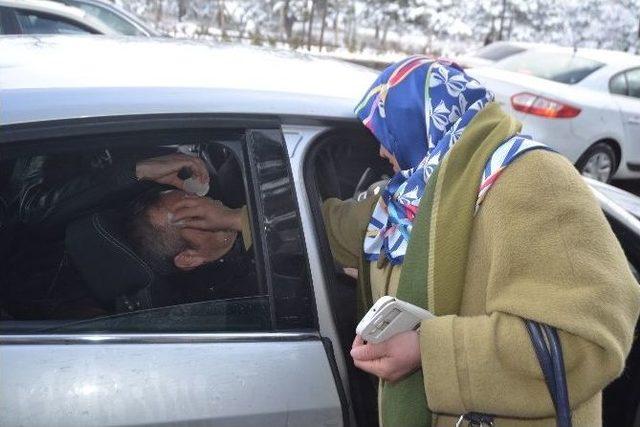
(111, 19)
(8, 24)
(558, 67)
(41, 23)
(618, 84)
(498, 51)
(88, 248)
(633, 81)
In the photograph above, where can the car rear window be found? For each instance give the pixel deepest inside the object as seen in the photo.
(558, 67)
(498, 51)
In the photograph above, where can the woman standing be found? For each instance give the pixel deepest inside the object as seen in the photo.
(483, 227)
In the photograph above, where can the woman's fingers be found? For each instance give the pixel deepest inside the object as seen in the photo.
(165, 169)
(189, 212)
(197, 167)
(369, 351)
(377, 367)
(194, 223)
(357, 341)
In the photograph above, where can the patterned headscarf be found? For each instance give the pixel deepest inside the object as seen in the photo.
(417, 109)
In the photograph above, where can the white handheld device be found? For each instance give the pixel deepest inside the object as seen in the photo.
(390, 316)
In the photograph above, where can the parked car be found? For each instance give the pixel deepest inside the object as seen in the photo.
(496, 51)
(276, 357)
(116, 18)
(585, 103)
(46, 17)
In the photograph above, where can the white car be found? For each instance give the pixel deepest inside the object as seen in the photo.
(585, 103)
(47, 17)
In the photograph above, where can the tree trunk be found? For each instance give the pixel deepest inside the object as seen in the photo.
(158, 11)
(354, 28)
(489, 38)
(502, 17)
(182, 9)
(384, 34)
(336, 19)
(313, 9)
(221, 15)
(325, 6)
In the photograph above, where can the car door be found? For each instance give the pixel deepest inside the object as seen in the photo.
(252, 361)
(626, 89)
(621, 399)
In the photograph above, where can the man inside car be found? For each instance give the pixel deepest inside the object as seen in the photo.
(197, 241)
(46, 193)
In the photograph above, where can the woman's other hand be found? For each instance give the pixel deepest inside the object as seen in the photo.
(165, 170)
(206, 214)
(390, 360)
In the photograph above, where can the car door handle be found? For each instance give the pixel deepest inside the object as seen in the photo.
(634, 120)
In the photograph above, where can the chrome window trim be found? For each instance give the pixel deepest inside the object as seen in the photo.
(163, 338)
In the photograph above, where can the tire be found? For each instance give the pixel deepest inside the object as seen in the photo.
(598, 162)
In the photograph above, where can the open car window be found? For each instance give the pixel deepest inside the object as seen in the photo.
(72, 263)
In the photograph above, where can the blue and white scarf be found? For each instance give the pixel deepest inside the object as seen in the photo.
(418, 109)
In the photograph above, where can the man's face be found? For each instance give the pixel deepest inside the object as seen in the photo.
(202, 246)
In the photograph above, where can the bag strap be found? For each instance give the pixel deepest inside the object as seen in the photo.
(548, 350)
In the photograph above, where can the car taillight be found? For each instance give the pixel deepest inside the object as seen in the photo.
(541, 106)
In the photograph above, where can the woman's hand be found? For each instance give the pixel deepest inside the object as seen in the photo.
(165, 169)
(206, 214)
(390, 360)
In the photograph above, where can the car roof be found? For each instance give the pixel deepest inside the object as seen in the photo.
(60, 77)
(61, 10)
(608, 57)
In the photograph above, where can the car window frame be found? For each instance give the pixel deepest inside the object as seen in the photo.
(22, 137)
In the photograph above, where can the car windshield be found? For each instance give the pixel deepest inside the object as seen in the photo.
(498, 51)
(558, 67)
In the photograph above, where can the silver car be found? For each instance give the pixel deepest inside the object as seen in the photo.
(277, 357)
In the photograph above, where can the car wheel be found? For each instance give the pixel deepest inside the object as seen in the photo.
(599, 162)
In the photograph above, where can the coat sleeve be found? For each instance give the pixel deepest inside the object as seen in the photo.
(552, 258)
(345, 223)
(47, 202)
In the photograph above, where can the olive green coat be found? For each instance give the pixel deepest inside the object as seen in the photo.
(540, 249)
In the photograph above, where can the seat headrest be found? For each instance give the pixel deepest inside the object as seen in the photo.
(99, 250)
